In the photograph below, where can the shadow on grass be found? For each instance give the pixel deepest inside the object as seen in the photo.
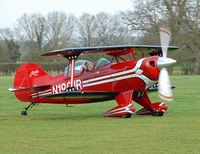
(51, 117)
(69, 117)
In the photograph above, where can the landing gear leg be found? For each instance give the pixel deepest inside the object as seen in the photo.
(24, 112)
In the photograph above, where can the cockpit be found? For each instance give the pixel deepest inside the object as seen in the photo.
(80, 66)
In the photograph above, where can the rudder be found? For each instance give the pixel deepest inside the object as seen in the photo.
(29, 75)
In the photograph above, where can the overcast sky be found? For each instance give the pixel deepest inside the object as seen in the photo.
(11, 10)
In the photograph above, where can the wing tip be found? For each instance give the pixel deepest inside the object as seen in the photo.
(12, 89)
(166, 99)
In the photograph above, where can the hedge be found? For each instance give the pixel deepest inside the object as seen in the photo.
(7, 69)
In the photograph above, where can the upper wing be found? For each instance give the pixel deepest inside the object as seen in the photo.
(145, 50)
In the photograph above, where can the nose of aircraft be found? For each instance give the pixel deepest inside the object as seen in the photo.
(165, 62)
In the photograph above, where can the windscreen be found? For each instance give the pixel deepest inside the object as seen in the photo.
(78, 67)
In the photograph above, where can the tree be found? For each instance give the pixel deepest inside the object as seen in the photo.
(102, 29)
(4, 55)
(110, 30)
(86, 27)
(60, 29)
(32, 28)
(181, 16)
(192, 21)
(30, 31)
(40, 29)
(12, 47)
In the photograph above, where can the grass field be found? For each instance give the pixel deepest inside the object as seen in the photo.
(83, 129)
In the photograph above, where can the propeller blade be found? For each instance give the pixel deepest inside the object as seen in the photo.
(164, 88)
(165, 36)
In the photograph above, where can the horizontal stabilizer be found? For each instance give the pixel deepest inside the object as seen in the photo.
(28, 88)
(91, 95)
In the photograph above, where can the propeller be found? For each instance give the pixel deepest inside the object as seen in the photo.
(164, 87)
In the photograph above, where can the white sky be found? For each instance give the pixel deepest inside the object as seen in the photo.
(11, 10)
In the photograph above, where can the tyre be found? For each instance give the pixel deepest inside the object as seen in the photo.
(23, 113)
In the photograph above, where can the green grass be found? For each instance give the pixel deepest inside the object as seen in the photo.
(50, 128)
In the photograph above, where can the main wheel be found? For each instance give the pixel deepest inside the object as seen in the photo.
(23, 113)
(128, 115)
(160, 114)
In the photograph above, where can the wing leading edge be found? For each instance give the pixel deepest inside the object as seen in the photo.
(148, 50)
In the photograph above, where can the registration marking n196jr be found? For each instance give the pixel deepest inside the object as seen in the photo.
(63, 86)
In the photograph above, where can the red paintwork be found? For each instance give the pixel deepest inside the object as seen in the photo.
(131, 88)
(124, 100)
(151, 72)
(156, 107)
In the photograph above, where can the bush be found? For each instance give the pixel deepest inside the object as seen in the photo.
(8, 69)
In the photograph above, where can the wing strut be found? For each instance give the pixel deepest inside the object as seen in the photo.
(72, 59)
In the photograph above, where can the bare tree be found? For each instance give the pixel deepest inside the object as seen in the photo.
(102, 29)
(12, 47)
(86, 27)
(181, 16)
(4, 55)
(147, 16)
(109, 29)
(32, 28)
(6, 34)
(40, 29)
(119, 32)
(25, 29)
(60, 29)
(192, 21)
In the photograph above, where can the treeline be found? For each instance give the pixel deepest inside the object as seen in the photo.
(183, 19)
(53, 68)
(34, 34)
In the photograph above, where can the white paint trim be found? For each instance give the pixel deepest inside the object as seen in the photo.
(47, 93)
(142, 77)
(12, 89)
(161, 104)
(41, 92)
(129, 111)
(119, 108)
(138, 65)
(136, 69)
(72, 73)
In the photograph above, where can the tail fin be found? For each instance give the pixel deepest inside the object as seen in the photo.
(29, 75)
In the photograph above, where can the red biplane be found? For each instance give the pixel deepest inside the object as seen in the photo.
(133, 71)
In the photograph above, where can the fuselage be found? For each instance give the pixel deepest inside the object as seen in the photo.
(137, 75)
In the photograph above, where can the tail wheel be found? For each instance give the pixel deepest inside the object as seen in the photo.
(23, 113)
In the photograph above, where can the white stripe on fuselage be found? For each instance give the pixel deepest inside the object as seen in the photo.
(104, 79)
(138, 65)
(44, 94)
(142, 77)
(41, 93)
